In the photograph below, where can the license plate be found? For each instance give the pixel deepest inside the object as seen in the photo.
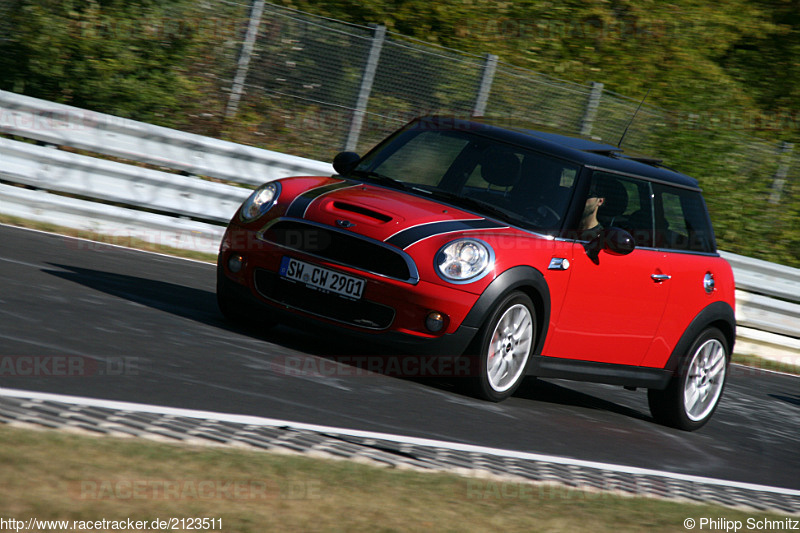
(321, 278)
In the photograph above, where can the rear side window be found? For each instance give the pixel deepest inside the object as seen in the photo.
(682, 221)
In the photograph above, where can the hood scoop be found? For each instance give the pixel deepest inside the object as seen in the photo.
(347, 207)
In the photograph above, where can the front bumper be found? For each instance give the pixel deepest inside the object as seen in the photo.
(391, 341)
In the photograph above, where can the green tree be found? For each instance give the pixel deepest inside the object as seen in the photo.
(119, 57)
(769, 63)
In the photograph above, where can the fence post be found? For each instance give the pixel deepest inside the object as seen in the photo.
(487, 77)
(244, 58)
(591, 108)
(784, 151)
(378, 36)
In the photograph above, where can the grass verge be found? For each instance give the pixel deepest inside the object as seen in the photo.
(53, 475)
(766, 364)
(128, 242)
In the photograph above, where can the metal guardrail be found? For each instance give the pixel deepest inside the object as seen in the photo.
(81, 129)
(65, 172)
(767, 308)
(127, 199)
(109, 220)
(768, 314)
(763, 277)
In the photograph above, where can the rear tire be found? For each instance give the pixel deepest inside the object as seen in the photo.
(693, 394)
(503, 347)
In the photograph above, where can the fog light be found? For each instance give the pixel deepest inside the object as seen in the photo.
(434, 322)
(235, 263)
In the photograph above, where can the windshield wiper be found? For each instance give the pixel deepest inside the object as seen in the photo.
(382, 179)
(477, 205)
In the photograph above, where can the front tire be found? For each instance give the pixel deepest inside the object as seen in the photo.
(503, 347)
(237, 310)
(693, 394)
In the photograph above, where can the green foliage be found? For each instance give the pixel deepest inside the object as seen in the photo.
(768, 61)
(119, 57)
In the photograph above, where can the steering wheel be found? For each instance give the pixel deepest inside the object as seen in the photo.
(543, 216)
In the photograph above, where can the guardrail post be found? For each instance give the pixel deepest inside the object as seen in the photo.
(591, 108)
(784, 151)
(244, 58)
(378, 37)
(487, 77)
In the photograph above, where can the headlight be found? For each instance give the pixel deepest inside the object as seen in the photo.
(464, 260)
(259, 202)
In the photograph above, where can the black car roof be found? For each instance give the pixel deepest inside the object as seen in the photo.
(584, 151)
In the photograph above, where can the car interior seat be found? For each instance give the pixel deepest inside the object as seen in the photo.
(540, 184)
(500, 168)
(616, 201)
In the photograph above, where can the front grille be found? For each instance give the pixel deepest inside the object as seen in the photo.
(342, 248)
(362, 313)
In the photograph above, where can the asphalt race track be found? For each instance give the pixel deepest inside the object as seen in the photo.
(90, 320)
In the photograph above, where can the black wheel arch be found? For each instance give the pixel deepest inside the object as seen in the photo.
(519, 278)
(719, 315)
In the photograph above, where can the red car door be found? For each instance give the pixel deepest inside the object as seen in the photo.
(612, 309)
(614, 303)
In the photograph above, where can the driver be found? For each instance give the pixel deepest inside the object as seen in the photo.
(590, 227)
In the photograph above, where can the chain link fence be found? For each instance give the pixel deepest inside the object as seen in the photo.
(322, 74)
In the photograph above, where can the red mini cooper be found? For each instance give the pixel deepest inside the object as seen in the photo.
(529, 252)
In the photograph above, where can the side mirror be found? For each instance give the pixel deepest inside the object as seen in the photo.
(615, 241)
(619, 242)
(344, 162)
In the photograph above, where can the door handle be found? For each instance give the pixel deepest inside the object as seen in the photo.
(658, 278)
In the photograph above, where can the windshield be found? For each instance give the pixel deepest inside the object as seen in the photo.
(499, 180)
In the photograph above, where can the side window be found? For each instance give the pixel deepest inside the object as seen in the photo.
(625, 203)
(681, 220)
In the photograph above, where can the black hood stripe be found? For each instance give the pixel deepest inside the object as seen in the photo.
(407, 237)
(299, 205)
